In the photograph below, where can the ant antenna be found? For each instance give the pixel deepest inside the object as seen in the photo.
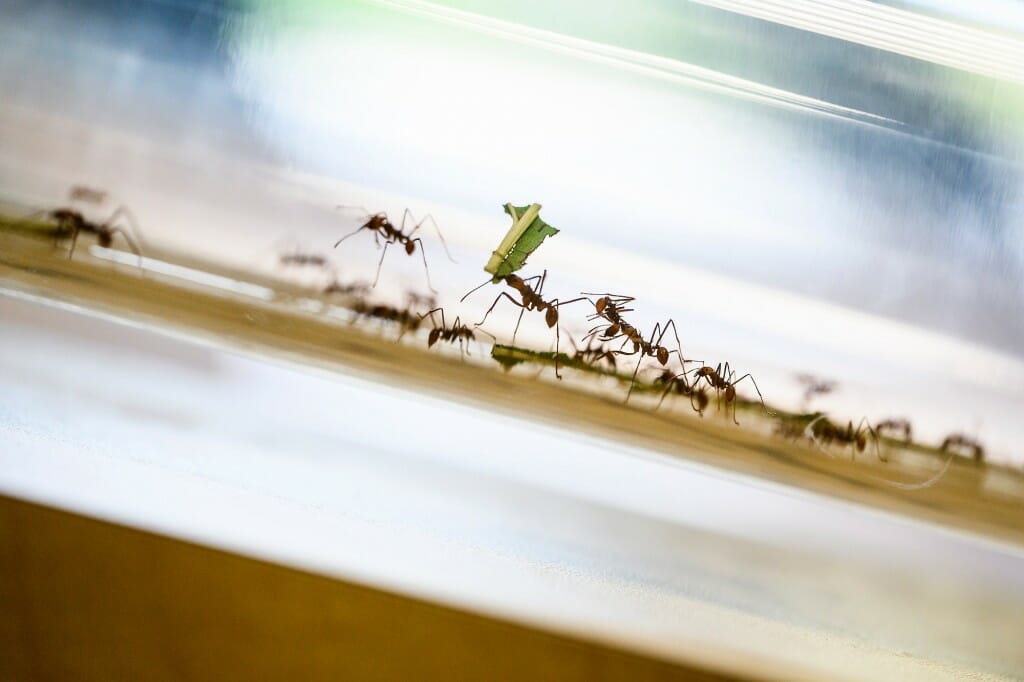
(486, 282)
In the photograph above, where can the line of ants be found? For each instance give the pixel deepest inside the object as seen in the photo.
(528, 296)
(527, 293)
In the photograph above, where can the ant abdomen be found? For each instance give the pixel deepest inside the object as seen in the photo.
(551, 317)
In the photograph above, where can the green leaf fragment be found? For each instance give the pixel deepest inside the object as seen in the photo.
(527, 233)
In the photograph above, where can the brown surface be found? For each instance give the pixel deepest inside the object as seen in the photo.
(87, 600)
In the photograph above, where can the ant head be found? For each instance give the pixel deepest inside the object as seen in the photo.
(862, 442)
(730, 393)
(551, 316)
(410, 247)
(435, 334)
(662, 355)
(104, 239)
(702, 400)
(601, 304)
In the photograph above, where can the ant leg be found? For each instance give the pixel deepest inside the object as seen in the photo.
(558, 337)
(668, 387)
(502, 294)
(540, 285)
(430, 314)
(380, 263)
(751, 376)
(809, 432)
(131, 243)
(874, 437)
(355, 232)
(632, 379)
(518, 322)
(437, 229)
(494, 339)
(423, 253)
(74, 240)
(559, 304)
(679, 345)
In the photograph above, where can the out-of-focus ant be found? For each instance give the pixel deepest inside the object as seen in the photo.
(591, 355)
(418, 300)
(721, 379)
(71, 223)
(457, 332)
(678, 385)
(406, 320)
(531, 299)
(337, 287)
(383, 229)
(822, 431)
(900, 428)
(814, 386)
(87, 194)
(963, 444)
(299, 259)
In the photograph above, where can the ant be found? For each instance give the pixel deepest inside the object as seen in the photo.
(532, 299)
(417, 300)
(299, 259)
(591, 355)
(609, 308)
(457, 332)
(899, 426)
(71, 223)
(814, 386)
(382, 228)
(406, 320)
(823, 429)
(958, 442)
(354, 289)
(87, 194)
(676, 383)
(721, 379)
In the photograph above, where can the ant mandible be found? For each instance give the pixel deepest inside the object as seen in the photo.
(382, 228)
